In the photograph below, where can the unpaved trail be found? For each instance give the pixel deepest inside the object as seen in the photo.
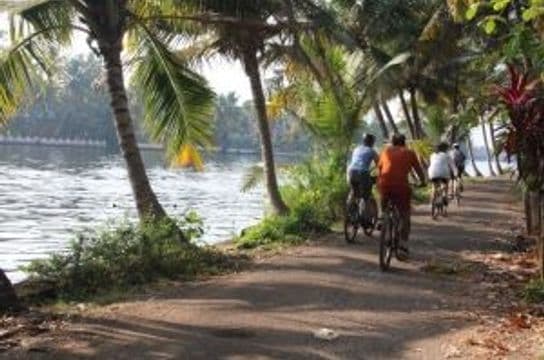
(272, 310)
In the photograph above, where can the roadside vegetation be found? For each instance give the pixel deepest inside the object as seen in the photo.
(123, 256)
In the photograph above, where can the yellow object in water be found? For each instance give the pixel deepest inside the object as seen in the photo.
(189, 156)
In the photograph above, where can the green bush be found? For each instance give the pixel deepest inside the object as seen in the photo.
(315, 192)
(534, 292)
(303, 220)
(422, 195)
(127, 255)
(319, 182)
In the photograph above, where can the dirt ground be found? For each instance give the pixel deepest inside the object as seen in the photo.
(456, 298)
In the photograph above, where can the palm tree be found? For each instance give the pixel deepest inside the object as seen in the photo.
(8, 298)
(389, 116)
(496, 150)
(244, 38)
(380, 119)
(175, 98)
(486, 145)
(407, 115)
(477, 171)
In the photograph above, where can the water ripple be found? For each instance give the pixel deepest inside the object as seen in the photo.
(46, 198)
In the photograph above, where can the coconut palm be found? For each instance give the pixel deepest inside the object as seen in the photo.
(8, 298)
(244, 38)
(487, 147)
(175, 98)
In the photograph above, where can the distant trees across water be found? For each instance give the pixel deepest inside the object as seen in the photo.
(76, 105)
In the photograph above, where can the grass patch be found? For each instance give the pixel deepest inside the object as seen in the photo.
(534, 292)
(422, 195)
(292, 229)
(315, 192)
(125, 256)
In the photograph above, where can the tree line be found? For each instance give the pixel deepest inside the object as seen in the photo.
(74, 104)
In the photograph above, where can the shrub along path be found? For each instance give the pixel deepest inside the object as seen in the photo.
(453, 299)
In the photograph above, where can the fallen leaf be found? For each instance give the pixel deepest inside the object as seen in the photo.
(520, 321)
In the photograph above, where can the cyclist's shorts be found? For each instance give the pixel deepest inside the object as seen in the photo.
(440, 180)
(460, 170)
(361, 183)
(401, 196)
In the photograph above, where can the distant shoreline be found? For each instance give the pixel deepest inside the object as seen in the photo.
(83, 143)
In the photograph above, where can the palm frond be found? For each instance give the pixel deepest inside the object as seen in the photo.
(178, 102)
(252, 178)
(21, 67)
(18, 5)
(54, 19)
(37, 29)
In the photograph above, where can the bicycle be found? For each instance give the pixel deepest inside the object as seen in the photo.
(457, 190)
(360, 214)
(439, 202)
(390, 234)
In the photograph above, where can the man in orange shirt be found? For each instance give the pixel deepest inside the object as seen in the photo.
(394, 166)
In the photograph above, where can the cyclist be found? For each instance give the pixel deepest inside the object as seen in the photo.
(441, 169)
(459, 159)
(394, 166)
(359, 169)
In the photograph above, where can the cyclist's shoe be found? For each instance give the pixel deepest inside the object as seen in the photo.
(403, 254)
(379, 225)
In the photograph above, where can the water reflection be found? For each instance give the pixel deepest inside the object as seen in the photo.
(47, 194)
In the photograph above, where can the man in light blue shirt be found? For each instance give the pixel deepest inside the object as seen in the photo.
(359, 168)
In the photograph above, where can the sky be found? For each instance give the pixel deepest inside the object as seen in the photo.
(223, 76)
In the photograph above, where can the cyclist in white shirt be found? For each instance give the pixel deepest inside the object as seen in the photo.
(441, 168)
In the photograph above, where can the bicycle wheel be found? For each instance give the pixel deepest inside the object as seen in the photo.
(386, 243)
(371, 215)
(434, 208)
(458, 196)
(444, 207)
(351, 224)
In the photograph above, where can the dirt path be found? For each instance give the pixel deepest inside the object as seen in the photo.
(272, 311)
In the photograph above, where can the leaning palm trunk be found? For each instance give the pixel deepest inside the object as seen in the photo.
(418, 127)
(496, 153)
(381, 120)
(146, 201)
(389, 116)
(267, 152)
(487, 150)
(407, 115)
(8, 299)
(477, 171)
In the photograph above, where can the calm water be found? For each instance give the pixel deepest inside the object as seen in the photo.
(49, 194)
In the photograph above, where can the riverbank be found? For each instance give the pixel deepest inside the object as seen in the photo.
(458, 297)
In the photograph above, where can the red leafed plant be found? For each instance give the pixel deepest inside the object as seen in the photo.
(524, 135)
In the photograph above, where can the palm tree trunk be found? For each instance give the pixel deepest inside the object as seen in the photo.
(496, 154)
(477, 171)
(146, 201)
(487, 150)
(267, 152)
(381, 120)
(420, 133)
(407, 115)
(389, 116)
(8, 298)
